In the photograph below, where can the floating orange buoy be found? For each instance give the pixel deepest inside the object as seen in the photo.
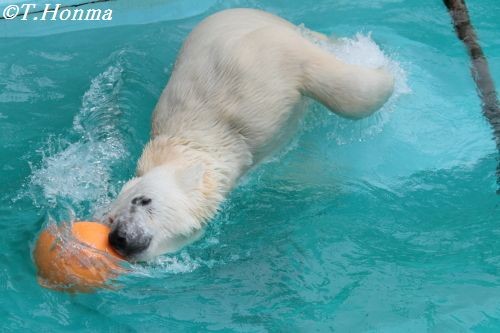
(81, 265)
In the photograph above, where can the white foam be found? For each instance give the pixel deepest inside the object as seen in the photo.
(80, 171)
(56, 56)
(175, 264)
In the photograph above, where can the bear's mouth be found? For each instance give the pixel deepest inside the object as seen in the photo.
(129, 242)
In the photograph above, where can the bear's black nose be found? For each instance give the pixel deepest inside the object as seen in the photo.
(128, 243)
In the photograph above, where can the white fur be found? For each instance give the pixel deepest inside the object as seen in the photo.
(234, 90)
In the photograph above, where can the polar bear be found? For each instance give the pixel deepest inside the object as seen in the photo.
(231, 100)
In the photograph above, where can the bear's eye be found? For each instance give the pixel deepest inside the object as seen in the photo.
(141, 201)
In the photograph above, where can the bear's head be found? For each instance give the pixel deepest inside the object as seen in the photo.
(155, 213)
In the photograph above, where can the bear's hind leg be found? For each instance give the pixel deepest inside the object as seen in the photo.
(348, 90)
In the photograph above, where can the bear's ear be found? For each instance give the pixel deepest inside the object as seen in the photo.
(190, 178)
(128, 185)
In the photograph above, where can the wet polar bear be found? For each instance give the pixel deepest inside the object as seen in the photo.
(231, 99)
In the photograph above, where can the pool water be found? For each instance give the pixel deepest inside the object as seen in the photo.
(388, 224)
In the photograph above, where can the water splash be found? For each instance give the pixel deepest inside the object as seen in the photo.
(181, 263)
(79, 170)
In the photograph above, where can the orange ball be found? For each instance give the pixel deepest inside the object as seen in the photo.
(82, 262)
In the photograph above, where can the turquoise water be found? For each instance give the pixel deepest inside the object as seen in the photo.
(385, 225)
